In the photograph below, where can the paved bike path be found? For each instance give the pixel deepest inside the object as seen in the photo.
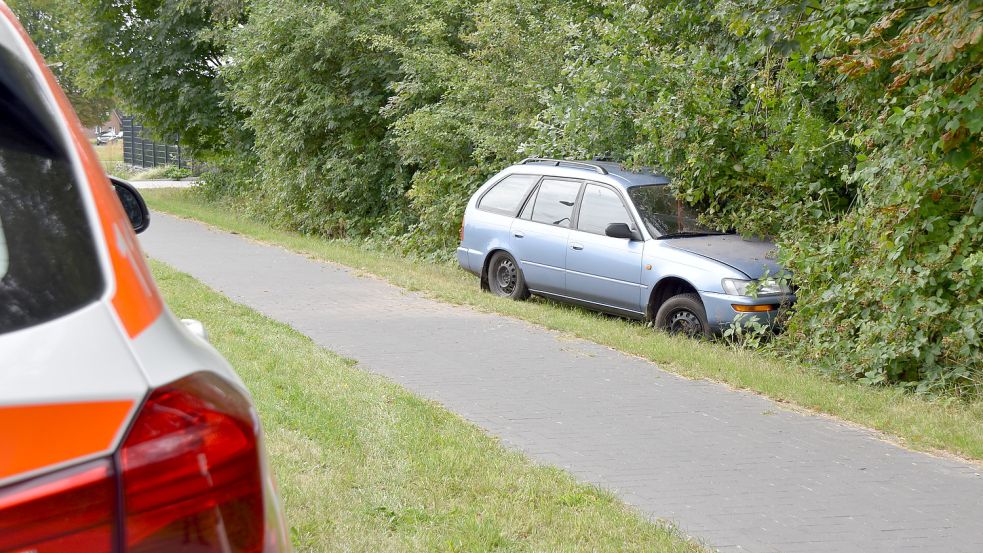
(740, 472)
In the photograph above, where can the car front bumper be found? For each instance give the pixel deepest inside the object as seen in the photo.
(721, 311)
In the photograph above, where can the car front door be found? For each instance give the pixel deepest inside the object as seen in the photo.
(601, 269)
(541, 232)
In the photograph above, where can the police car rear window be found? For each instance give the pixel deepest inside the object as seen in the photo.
(48, 261)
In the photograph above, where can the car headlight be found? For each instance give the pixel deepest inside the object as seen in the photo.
(755, 288)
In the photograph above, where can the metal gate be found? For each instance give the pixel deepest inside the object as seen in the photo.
(141, 151)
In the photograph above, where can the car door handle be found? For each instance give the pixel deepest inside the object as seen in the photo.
(518, 234)
(577, 247)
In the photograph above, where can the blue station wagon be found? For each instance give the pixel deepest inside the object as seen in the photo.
(600, 236)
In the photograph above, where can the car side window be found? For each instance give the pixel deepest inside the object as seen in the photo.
(49, 265)
(507, 195)
(600, 207)
(526, 212)
(555, 201)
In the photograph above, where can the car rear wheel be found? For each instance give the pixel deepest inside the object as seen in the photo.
(683, 314)
(505, 277)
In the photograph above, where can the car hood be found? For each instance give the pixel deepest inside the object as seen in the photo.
(752, 257)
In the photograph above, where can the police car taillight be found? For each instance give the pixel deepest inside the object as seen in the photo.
(69, 510)
(189, 477)
(190, 471)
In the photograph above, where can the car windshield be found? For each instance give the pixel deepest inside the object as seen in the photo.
(663, 214)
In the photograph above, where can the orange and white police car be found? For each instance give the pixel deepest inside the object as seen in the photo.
(120, 429)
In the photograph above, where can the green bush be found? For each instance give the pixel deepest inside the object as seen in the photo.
(850, 132)
(175, 172)
(313, 88)
(464, 108)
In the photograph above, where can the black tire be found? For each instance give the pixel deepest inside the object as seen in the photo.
(505, 277)
(683, 314)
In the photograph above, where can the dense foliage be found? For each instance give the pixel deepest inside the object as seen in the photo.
(848, 131)
(162, 58)
(50, 24)
(464, 106)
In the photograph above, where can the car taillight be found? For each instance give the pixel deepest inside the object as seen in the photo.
(190, 471)
(69, 510)
(189, 477)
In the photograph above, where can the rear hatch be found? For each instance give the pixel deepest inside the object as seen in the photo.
(68, 380)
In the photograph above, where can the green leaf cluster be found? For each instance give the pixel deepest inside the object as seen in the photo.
(162, 59)
(848, 131)
(50, 24)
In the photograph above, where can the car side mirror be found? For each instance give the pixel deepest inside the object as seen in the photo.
(133, 204)
(620, 230)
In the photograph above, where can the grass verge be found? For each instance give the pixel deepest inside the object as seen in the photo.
(943, 425)
(363, 465)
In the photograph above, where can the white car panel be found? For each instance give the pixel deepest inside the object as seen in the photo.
(168, 351)
(81, 356)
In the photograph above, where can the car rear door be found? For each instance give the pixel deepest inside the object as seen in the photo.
(601, 269)
(540, 234)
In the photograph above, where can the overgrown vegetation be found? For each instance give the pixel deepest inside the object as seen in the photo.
(164, 60)
(849, 131)
(49, 23)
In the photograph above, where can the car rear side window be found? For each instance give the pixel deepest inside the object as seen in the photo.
(600, 207)
(506, 196)
(48, 261)
(555, 201)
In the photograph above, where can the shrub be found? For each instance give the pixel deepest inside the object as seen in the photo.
(848, 131)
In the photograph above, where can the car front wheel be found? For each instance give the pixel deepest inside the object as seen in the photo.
(505, 277)
(683, 314)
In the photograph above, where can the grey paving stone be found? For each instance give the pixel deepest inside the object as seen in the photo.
(737, 470)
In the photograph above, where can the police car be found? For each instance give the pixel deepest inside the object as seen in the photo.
(120, 429)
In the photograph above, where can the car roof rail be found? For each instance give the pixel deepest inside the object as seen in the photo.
(597, 168)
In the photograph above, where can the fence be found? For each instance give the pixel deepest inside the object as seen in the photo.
(141, 151)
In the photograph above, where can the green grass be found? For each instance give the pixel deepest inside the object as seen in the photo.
(163, 172)
(111, 157)
(363, 465)
(111, 152)
(942, 425)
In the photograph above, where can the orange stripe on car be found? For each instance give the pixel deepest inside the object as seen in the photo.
(136, 299)
(38, 436)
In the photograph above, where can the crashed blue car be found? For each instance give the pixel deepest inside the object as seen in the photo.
(612, 240)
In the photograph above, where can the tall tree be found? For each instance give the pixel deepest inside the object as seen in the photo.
(50, 23)
(466, 104)
(162, 59)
